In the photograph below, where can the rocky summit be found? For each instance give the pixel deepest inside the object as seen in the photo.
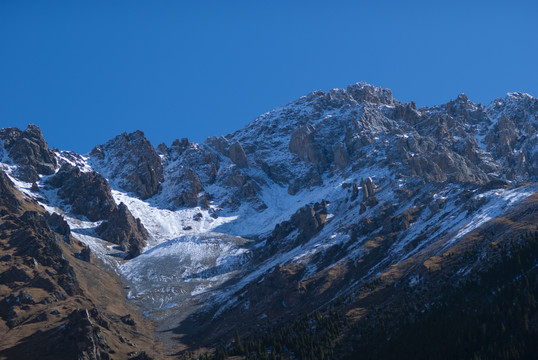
(345, 224)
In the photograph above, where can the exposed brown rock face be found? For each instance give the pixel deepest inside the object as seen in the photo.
(29, 150)
(59, 225)
(123, 229)
(367, 93)
(304, 145)
(88, 193)
(9, 200)
(31, 236)
(131, 161)
(341, 156)
(51, 305)
(511, 138)
(354, 192)
(279, 173)
(189, 186)
(220, 143)
(236, 178)
(368, 188)
(407, 112)
(308, 221)
(237, 155)
(179, 146)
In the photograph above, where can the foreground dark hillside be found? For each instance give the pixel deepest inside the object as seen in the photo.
(55, 301)
(477, 301)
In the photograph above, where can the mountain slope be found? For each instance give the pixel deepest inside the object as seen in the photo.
(56, 303)
(336, 200)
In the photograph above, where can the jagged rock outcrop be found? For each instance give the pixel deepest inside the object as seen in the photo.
(187, 188)
(179, 146)
(9, 200)
(123, 229)
(341, 156)
(307, 221)
(84, 335)
(130, 161)
(363, 92)
(220, 143)
(29, 150)
(189, 168)
(368, 188)
(368, 193)
(237, 155)
(279, 173)
(59, 225)
(30, 235)
(236, 178)
(84, 255)
(511, 137)
(303, 144)
(88, 193)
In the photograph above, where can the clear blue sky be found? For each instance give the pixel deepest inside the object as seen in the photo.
(85, 71)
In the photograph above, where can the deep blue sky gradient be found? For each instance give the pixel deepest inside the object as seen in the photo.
(85, 71)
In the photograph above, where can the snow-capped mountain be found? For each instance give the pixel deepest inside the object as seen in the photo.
(349, 195)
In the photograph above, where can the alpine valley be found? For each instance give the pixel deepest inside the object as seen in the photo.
(343, 225)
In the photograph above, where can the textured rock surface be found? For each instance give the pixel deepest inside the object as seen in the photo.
(297, 145)
(132, 162)
(408, 187)
(29, 150)
(341, 156)
(88, 193)
(59, 225)
(188, 187)
(307, 221)
(220, 143)
(123, 229)
(53, 305)
(303, 144)
(9, 200)
(237, 155)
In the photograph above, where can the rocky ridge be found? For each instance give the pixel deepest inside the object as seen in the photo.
(140, 170)
(29, 151)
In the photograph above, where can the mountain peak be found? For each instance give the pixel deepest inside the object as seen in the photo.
(364, 92)
(518, 96)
